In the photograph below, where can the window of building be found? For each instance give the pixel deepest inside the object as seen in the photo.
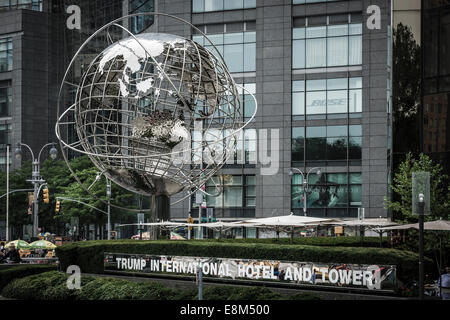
(334, 97)
(5, 133)
(5, 101)
(140, 23)
(331, 191)
(230, 191)
(355, 142)
(310, 1)
(219, 5)
(244, 146)
(3, 160)
(334, 144)
(247, 101)
(327, 46)
(35, 5)
(5, 54)
(237, 48)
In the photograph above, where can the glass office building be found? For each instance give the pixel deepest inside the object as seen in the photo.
(436, 81)
(321, 78)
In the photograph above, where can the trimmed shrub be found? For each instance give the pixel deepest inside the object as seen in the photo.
(322, 241)
(238, 293)
(89, 255)
(38, 287)
(118, 289)
(20, 271)
(52, 286)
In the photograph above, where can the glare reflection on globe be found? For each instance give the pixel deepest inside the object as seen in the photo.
(138, 103)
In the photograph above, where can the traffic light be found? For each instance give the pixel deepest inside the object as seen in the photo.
(58, 203)
(45, 195)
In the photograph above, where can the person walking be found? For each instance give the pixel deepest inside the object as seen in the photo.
(444, 284)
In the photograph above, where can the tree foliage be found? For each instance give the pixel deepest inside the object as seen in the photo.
(61, 183)
(401, 186)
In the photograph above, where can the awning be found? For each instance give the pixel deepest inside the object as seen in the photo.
(437, 225)
(285, 221)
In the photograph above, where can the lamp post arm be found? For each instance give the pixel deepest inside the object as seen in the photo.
(310, 170)
(13, 191)
(46, 145)
(29, 148)
(299, 171)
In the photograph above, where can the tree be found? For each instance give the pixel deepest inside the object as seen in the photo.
(64, 185)
(18, 201)
(401, 187)
(61, 183)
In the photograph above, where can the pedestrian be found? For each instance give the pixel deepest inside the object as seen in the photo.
(444, 284)
(2, 249)
(12, 254)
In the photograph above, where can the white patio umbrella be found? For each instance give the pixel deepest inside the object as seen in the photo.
(373, 224)
(288, 220)
(436, 225)
(279, 222)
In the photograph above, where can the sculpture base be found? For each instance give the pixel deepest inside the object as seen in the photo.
(163, 207)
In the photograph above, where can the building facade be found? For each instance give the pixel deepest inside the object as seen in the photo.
(322, 79)
(320, 71)
(436, 81)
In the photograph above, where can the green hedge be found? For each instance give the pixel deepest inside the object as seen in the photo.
(20, 271)
(88, 255)
(52, 286)
(322, 241)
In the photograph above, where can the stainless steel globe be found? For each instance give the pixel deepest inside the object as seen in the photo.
(156, 113)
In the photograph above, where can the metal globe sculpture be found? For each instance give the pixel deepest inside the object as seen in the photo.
(156, 113)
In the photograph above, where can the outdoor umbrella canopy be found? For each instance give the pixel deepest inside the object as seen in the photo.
(364, 223)
(42, 244)
(19, 244)
(437, 225)
(289, 220)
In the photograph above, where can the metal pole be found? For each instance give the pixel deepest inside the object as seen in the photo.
(305, 186)
(7, 193)
(108, 194)
(35, 177)
(200, 282)
(153, 218)
(421, 249)
(189, 228)
(200, 230)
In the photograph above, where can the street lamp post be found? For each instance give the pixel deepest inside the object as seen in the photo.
(36, 179)
(305, 182)
(108, 194)
(7, 193)
(421, 206)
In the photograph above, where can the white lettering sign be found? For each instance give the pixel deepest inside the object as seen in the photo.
(74, 21)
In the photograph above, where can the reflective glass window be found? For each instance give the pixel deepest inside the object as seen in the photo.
(316, 54)
(298, 143)
(337, 101)
(5, 54)
(327, 46)
(316, 102)
(219, 5)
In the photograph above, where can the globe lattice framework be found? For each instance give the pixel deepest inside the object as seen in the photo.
(156, 113)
